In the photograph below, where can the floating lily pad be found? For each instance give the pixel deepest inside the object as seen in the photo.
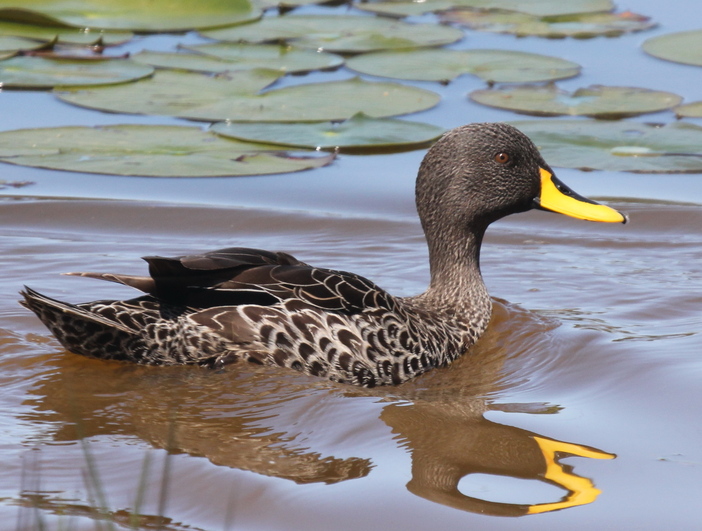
(62, 35)
(596, 101)
(689, 110)
(339, 33)
(360, 131)
(405, 9)
(579, 26)
(285, 4)
(147, 150)
(171, 93)
(14, 44)
(235, 97)
(683, 47)
(133, 15)
(42, 72)
(541, 8)
(499, 66)
(618, 146)
(183, 61)
(221, 57)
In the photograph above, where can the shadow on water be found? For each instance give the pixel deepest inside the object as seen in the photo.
(247, 417)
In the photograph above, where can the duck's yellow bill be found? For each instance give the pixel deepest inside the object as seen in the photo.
(557, 197)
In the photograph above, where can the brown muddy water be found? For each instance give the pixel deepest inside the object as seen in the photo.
(580, 408)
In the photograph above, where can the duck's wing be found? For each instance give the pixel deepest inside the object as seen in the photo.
(238, 275)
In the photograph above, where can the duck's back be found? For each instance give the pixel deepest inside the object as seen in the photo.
(269, 308)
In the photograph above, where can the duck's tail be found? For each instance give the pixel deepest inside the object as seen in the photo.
(80, 329)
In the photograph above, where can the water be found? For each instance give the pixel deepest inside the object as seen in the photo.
(593, 350)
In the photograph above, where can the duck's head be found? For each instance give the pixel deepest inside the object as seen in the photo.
(479, 173)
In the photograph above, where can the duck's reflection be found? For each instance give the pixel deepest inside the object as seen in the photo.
(254, 418)
(448, 445)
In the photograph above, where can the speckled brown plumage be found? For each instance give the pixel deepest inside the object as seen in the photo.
(269, 308)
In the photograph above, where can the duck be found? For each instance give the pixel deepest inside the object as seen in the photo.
(240, 304)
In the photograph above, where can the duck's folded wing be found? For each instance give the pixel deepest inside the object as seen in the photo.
(250, 276)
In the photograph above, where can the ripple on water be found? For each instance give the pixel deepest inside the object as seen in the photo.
(585, 307)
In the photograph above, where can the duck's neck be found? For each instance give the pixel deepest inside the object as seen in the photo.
(456, 281)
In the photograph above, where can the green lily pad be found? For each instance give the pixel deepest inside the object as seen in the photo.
(596, 101)
(393, 8)
(498, 66)
(171, 93)
(539, 8)
(351, 34)
(683, 47)
(12, 45)
(689, 110)
(579, 26)
(183, 61)
(132, 15)
(42, 72)
(235, 97)
(617, 146)
(147, 150)
(222, 57)
(285, 4)
(360, 131)
(62, 35)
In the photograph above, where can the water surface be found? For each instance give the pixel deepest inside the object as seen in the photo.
(578, 409)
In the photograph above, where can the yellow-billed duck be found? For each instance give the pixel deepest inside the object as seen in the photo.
(266, 307)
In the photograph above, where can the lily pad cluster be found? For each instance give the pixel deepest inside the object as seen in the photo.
(211, 82)
(237, 97)
(230, 79)
(148, 151)
(231, 82)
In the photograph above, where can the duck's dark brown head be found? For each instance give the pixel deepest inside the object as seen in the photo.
(479, 173)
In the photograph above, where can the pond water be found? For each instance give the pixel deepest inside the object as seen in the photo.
(578, 409)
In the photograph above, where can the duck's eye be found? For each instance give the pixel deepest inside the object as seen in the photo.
(502, 157)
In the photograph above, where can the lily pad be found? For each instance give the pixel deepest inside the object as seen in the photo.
(13, 45)
(498, 66)
(222, 57)
(62, 35)
(683, 47)
(618, 146)
(350, 34)
(285, 4)
(133, 15)
(596, 101)
(360, 131)
(235, 97)
(147, 150)
(393, 8)
(171, 93)
(579, 26)
(689, 110)
(42, 72)
(540, 8)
